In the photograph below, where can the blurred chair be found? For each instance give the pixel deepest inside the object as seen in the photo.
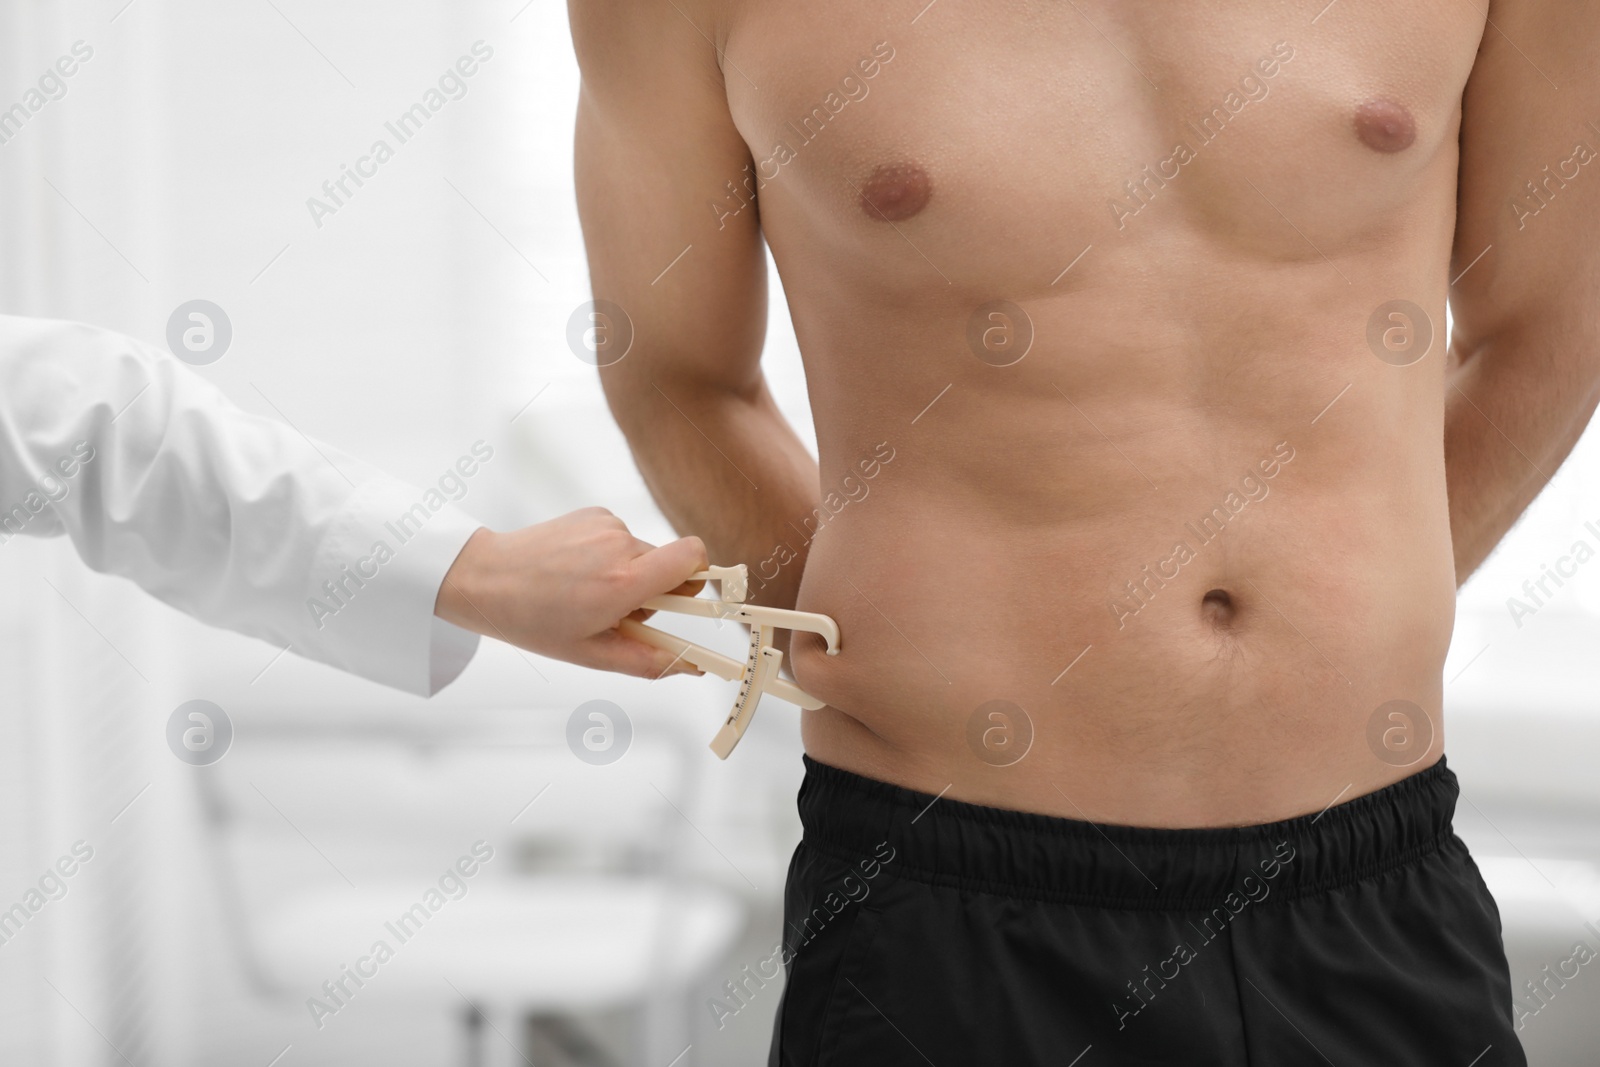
(323, 832)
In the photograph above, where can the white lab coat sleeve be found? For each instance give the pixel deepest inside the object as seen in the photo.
(235, 519)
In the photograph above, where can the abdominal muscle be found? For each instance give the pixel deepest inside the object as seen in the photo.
(1229, 684)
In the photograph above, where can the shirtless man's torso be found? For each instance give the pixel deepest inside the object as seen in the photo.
(1035, 512)
(1202, 485)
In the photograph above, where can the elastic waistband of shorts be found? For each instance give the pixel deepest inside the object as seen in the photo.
(1021, 854)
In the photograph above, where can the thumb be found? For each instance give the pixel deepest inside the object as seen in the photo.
(663, 569)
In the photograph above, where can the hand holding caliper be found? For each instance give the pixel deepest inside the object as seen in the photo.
(759, 673)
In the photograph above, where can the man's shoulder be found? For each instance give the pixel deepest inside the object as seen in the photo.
(686, 19)
(628, 37)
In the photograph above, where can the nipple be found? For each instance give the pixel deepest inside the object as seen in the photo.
(1385, 126)
(895, 191)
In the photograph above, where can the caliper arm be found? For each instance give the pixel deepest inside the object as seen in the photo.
(759, 673)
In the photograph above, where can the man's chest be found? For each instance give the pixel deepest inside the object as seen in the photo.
(1086, 120)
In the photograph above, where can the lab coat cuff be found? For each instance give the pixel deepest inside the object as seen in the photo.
(378, 573)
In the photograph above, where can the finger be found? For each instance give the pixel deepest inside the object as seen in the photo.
(686, 589)
(614, 651)
(663, 569)
(690, 588)
(590, 513)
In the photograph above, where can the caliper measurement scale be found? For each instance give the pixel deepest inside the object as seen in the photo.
(758, 674)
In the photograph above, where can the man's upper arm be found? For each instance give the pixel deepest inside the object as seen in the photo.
(655, 148)
(1529, 192)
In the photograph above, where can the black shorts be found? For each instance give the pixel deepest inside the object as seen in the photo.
(923, 931)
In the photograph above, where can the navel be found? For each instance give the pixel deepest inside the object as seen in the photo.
(1218, 608)
(895, 191)
(1385, 126)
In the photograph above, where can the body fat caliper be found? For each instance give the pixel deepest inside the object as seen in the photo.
(758, 674)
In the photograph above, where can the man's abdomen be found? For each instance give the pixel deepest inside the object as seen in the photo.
(1091, 607)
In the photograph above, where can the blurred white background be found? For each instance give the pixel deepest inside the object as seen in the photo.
(430, 312)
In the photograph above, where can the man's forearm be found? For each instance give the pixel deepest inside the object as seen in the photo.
(1513, 411)
(729, 468)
